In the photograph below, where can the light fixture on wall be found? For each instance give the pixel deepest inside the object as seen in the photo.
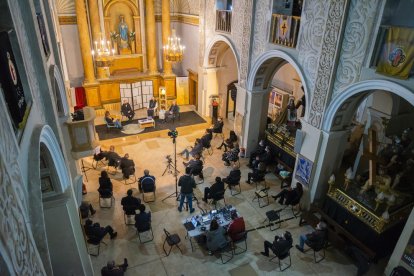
(103, 48)
(174, 51)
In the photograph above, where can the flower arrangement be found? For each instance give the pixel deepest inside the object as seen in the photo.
(131, 35)
(114, 36)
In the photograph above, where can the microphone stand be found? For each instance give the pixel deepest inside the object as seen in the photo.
(175, 194)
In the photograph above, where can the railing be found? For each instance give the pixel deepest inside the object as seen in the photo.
(284, 30)
(223, 20)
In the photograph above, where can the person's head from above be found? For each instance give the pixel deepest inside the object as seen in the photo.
(232, 133)
(218, 179)
(321, 225)
(197, 141)
(129, 192)
(126, 155)
(107, 113)
(104, 174)
(236, 166)
(187, 170)
(146, 172)
(234, 215)
(141, 208)
(262, 143)
(197, 157)
(214, 225)
(125, 101)
(287, 236)
(88, 222)
(110, 265)
(112, 148)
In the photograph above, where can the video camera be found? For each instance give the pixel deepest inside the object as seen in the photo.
(173, 133)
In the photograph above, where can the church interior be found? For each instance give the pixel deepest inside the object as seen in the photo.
(122, 117)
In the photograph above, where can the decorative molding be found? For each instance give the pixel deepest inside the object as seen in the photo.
(245, 41)
(188, 7)
(355, 43)
(326, 66)
(181, 18)
(260, 36)
(67, 20)
(65, 7)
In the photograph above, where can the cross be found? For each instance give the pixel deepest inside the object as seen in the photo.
(372, 155)
(283, 28)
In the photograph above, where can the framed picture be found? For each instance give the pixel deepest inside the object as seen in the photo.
(278, 100)
(43, 34)
(303, 170)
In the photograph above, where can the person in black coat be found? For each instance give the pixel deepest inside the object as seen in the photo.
(290, 195)
(96, 232)
(146, 183)
(210, 192)
(316, 237)
(130, 203)
(229, 142)
(105, 185)
(234, 177)
(143, 219)
(218, 126)
(187, 184)
(127, 166)
(113, 158)
(206, 139)
(280, 245)
(257, 173)
(261, 148)
(127, 111)
(111, 269)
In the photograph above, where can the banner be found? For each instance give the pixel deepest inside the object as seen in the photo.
(397, 56)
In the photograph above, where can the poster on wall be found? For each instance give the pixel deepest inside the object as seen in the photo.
(11, 84)
(303, 170)
(408, 255)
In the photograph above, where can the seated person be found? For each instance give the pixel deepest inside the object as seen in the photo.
(111, 269)
(146, 182)
(265, 157)
(290, 195)
(127, 111)
(215, 237)
(105, 185)
(236, 227)
(257, 152)
(95, 232)
(218, 126)
(234, 177)
(257, 173)
(232, 155)
(127, 166)
(85, 208)
(110, 120)
(143, 219)
(130, 203)
(228, 143)
(113, 158)
(315, 237)
(173, 111)
(152, 107)
(197, 149)
(196, 166)
(210, 192)
(206, 139)
(98, 154)
(279, 246)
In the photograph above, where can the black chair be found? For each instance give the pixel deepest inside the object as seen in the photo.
(283, 255)
(149, 230)
(240, 238)
(273, 216)
(127, 218)
(172, 240)
(226, 253)
(317, 247)
(97, 160)
(96, 243)
(148, 187)
(105, 196)
(233, 187)
(198, 171)
(217, 197)
(128, 180)
(209, 149)
(262, 194)
(260, 178)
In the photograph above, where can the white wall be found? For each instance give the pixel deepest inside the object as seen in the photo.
(71, 45)
(226, 74)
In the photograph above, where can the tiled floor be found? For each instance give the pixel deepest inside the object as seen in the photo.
(150, 259)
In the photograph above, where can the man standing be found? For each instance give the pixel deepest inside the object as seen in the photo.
(152, 106)
(187, 184)
(127, 111)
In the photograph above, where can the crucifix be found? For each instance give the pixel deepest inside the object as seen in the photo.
(283, 28)
(372, 157)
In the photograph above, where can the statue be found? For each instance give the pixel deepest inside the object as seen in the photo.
(291, 113)
(123, 33)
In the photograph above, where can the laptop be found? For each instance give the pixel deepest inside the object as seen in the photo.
(189, 226)
(194, 221)
(206, 219)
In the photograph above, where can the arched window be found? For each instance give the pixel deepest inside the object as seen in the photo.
(59, 91)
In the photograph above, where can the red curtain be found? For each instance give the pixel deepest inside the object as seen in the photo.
(80, 98)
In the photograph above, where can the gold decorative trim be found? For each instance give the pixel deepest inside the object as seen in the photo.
(67, 20)
(368, 217)
(181, 18)
(282, 142)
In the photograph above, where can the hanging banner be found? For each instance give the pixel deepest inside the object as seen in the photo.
(397, 56)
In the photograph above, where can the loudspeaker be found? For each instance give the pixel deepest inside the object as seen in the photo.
(300, 136)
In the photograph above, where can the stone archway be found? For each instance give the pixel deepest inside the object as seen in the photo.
(59, 91)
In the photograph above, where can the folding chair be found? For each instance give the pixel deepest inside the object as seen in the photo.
(105, 197)
(217, 197)
(262, 194)
(241, 237)
(273, 216)
(282, 256)
(227, 252)
(149, 231)
(127, 219)
(148, 192)
(128, 181)
(172, 240)
(317, 247)
(233, 186)
(96, 162)
(96, 243)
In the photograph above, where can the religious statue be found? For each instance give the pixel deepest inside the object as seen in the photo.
(123, 33)
(291, 113)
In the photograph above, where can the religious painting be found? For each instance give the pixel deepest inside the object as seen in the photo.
(278, 100)
(408, 255)
(11, 84)
(43, 34)
(303, 170)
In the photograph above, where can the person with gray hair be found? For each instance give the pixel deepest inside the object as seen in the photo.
(146, 183)
(316, 236)
(111, 269)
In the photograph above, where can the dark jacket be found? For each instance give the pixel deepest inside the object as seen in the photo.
(95, 230)
(233, 178)
(147, 183)
(113, 158)
(130, 204)
(218, 127)
(216, 188)
(197, 149)
(116, 271)
(187, 183)
(196, 166)
(109, 120)
(315, 238)
(126, 109)
(173, 109)
(127, 166)
(281, 246)
(105, 186)
(206, 140)
(143, 221)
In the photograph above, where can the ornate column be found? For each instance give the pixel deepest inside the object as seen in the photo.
(150, 36)
(94, 16)
(85, 42)
(166, 33)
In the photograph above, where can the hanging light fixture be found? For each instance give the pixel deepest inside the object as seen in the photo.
(174, 51)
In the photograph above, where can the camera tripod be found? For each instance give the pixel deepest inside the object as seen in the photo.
(170, 167)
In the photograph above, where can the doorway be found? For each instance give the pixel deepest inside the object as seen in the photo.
(231, 100)
(193, 88)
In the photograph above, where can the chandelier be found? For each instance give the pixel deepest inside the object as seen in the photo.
(174, 51)
(103, 48)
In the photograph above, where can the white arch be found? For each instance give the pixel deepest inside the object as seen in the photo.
(221, 38)
(364, 86)
(285, 56)
(55, 75)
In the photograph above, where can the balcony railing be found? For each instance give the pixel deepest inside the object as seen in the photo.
(284, 30)
(223, 20)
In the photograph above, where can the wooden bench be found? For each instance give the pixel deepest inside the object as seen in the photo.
(336, 234)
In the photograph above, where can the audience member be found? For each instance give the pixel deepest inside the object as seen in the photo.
(257, 152)
(152, 107)
(229, 142)
(316, 237)
(111, 269)
(206, 139)
(127, 166)
(146, 182)
(143, 219)
(98, 154)
(112, 121)
(218, 126)
(187, 184)
(279, 245)
(234, 177)
(172, 111)
(85, 208)
(197, 149)
(257, 173)
(127, 111)
(113, 158)
(211, 192)
(130, 203)
(215, 237)
(266, 157)
(236, 227)
(105, 185)
(232, 155)
(289, 195)
(95, 231)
